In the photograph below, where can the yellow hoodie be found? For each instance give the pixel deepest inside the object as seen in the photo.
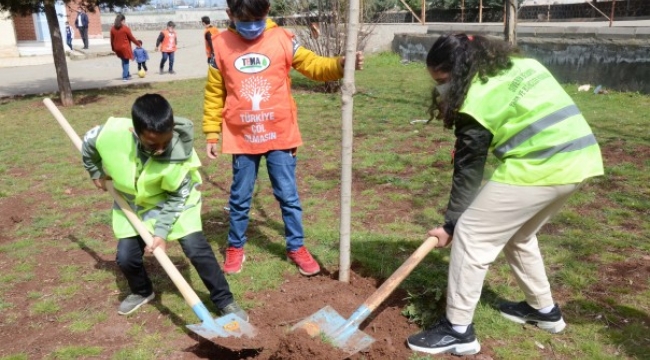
(305, 61)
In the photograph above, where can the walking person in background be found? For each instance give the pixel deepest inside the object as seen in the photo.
(210, 34)
(495, 99)
(250, 80)
(166, 42)
(81, 23)
(141, 56)
(68, 35)
(121, 39)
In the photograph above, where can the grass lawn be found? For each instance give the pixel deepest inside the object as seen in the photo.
(597, 250)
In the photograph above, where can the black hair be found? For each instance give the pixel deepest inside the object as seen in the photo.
(205, 20)
(118, 20)
(171, 24)
(465, 57)
(140, 42)
(253, 9)
(152, 112)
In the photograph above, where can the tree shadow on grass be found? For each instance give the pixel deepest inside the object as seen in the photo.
(624, 327)
(161, 282)
(216, 226)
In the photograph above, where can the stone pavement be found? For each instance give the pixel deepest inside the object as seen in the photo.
(100, 68)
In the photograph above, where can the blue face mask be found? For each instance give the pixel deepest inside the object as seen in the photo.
(250, 30)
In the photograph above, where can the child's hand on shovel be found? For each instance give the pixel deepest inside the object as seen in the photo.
(101, 183)
(157, 242)
(444, 239)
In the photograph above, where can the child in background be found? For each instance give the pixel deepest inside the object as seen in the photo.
(152, 163)
(166, 42)
(141, 56)
(248, 100)
(68, 35)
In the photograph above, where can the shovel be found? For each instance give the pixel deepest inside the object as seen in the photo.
(226, 326)
(344, 333)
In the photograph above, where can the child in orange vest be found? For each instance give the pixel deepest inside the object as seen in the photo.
(167, 41)
(248, 104)
(210, 33)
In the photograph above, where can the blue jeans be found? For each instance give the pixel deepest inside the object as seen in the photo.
(281, 166)
(125, 68)
(195, 247)
(164, 59)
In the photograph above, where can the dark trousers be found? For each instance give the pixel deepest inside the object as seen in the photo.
(164, 60)
(142, 65)
(69, 42)
(196, 248)
(83, 30)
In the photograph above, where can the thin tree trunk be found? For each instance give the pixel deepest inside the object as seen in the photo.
(60, 64)
(348, 90)
(511, 22)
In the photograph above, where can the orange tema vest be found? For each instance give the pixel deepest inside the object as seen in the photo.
(213, 34)
(169, 42)
(259, 114)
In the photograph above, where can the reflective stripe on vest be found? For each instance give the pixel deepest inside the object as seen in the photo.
(117, 147)
(535, 128)
(259, 113)
(573, 145)
(538, 132)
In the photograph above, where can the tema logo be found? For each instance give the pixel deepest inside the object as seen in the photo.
(252, 63)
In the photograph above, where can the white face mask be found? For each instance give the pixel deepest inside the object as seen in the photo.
(443, 90)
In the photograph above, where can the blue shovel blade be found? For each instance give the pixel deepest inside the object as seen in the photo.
(336, 329)
(229, 325)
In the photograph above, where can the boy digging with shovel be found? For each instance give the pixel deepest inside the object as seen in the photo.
(152, 163)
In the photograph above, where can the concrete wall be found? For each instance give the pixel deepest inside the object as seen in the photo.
(380, 38)
(8, 46)
(183, 18)
(617, 58)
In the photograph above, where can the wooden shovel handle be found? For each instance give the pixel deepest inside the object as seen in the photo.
(190, 296)
(400, 274)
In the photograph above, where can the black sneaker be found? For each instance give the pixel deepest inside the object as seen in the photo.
(441, 338)
(523, 313)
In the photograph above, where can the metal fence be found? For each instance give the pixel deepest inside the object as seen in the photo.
(587, 11)
(623, 9)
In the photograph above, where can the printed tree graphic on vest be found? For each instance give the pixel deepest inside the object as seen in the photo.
(256, 89)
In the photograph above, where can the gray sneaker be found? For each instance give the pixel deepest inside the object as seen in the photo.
(233, 308)
(133, 302)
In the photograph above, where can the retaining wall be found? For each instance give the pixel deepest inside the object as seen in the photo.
(617, 58)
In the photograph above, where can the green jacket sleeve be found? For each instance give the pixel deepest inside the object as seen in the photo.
(91, 158)
(172, 208)
(470, 153)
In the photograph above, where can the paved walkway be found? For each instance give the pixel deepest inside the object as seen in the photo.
(102, 70)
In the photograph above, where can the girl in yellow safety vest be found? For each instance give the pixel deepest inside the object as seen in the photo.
(495, 100)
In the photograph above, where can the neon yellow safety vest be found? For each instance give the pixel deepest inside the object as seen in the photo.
(147, 195)
(539, 133)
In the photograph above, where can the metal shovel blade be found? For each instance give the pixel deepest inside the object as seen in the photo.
(229, 325)
(335, 329)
